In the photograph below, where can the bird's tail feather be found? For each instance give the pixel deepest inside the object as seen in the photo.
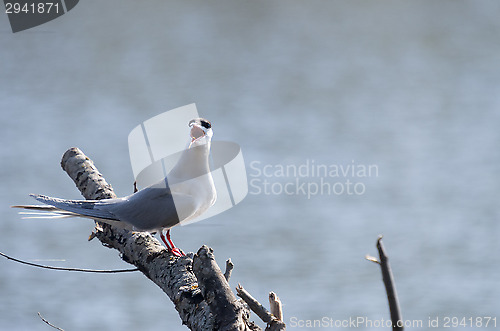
(61, 208)
(46, 215)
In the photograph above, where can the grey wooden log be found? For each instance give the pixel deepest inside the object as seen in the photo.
(197, 307)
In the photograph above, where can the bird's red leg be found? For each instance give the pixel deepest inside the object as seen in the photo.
(176, 251)
(170, 245)
(165, 241)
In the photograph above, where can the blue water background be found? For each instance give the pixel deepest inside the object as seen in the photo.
(412, 87)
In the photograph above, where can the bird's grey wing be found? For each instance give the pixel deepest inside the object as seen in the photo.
(154, 208)
(98, 209)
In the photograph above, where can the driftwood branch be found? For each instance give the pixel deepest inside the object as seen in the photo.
(390, 287)
(273, 322)
(228, 312)
(194, 283)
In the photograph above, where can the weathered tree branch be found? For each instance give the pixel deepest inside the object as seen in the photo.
(228, 312)
(229, 269)
(273, 323)
(390, 287)
(198, 289)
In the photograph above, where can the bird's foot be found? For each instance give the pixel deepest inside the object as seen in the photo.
(177, 252)
(170, 245)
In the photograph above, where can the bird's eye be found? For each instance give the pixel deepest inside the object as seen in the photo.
(206, 124)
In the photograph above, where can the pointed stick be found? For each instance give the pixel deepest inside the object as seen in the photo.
(390, 287)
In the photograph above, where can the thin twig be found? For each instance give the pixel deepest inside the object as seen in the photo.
(390, 288)
(67, 269)
(254, 305)
(48, 323)
(229, 269)
(273, 323)
(372, 259)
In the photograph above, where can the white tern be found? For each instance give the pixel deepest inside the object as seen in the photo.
(186, 192)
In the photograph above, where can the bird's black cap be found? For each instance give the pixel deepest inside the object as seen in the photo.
(201, 121)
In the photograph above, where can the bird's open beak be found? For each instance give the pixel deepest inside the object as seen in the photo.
(196, 132)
